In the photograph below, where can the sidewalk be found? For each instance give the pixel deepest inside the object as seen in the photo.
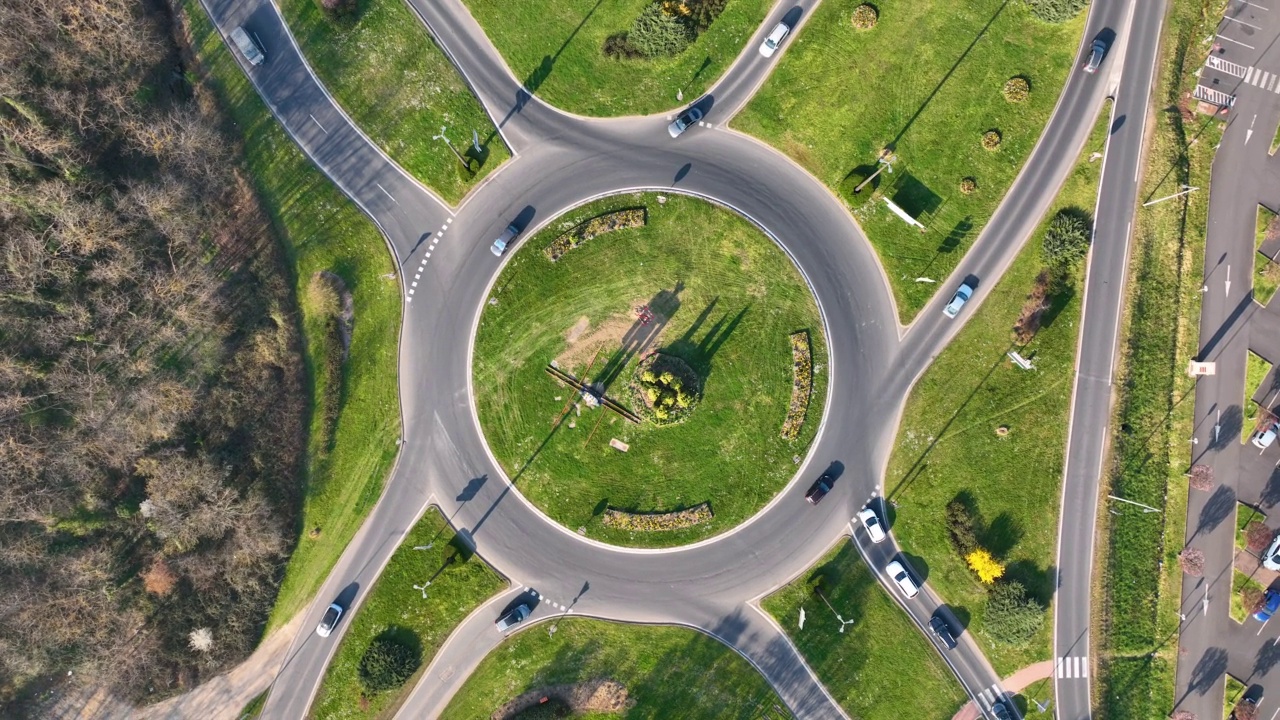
(1012, 684)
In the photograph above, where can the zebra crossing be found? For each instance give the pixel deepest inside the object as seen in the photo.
(1073, 667)
(1262, 79)
(990, 696)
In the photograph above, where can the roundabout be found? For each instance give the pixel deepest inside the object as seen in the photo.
(639, 388)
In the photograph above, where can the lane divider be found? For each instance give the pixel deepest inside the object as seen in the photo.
(426, 256)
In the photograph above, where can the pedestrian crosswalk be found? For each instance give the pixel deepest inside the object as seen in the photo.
(990, 696)
(1216, 97)
(1073, 667)
(1226, 66)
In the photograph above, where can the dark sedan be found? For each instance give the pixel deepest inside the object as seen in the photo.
(820, 488)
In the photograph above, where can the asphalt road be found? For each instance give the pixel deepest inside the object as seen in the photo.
(561, 160)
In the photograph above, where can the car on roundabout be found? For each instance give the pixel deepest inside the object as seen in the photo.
(875, 528)
(500, 245)
(820, 488)
(683, 121)
(517, 615)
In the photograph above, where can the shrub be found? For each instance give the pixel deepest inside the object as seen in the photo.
(666, 388)
(968, 185)
(988, 568)
(387, 664)
(617, 46)
(701, 13)
(1192, 561)
(1016, 89)
(865, 16)
(1257, 536)
(991, 139)
(595, 227)
(1245, 710)
(1251, 598)
(1200, 478)
(960, 524)
(657, 33)
(1066, 242)
(801, 384)
(1011, 616)
(1056, 11)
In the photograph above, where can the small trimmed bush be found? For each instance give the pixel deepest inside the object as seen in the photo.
(1016, 89)
(865, 16)
(968, 185)
(1056, 11)
(991, 139)
(387, 664)
(657, 33)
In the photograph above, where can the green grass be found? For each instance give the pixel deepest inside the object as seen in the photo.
(395, 608)
(881, 660)
(840, 95)
(1266, 273)
(1240, 582)
(668, 672)
(1245, 515)
(1256, 371)
(735, 286)
(1041, 690)
(320, 230)
(947, 445)
(563, 63)
(1139, 580)
(388, 74)
(1234, 690)
(254, 708)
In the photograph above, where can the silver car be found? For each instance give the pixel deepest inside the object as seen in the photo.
(771, 43)
(1271, 559)
(683, 121)
(1263, 438)
(513, 618)
(500, 245)
(963, 293)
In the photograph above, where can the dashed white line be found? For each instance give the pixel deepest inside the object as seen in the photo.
(444, 227)
(418, 276)
(448, 221)
(317, 122)
(384, 192)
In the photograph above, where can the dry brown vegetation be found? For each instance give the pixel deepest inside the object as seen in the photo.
(144, 325)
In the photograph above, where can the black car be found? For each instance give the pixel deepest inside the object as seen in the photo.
(820, 488)
(943, 631)
(1001, 711)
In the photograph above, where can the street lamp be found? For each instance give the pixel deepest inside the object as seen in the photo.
(423, 588)
(456, 154)
(1145, 508)
(1185, 189)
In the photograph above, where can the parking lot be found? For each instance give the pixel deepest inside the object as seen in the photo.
(1242, 57)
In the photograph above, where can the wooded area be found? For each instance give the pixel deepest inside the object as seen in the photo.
(151, 382)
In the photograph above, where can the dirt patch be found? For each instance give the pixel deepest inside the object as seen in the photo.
(598, 696)
(584, 340)
(578, 328)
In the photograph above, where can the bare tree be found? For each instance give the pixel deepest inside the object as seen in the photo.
(1192, 560)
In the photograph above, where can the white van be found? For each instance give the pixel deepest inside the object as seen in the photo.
(252, 52)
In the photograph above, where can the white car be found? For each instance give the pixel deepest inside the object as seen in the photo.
(872, 522)
(330, 620)
(963, 293)
(902, 579)
(1263, 438)
(771, 43)
(1271, 559)
(500, 245)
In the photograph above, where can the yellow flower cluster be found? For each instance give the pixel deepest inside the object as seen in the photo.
(988, 568)
(801, 384)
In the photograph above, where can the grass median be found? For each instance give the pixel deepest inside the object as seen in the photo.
(321, 231)
(395, 611)
(564, 62)
(1256, 370)
(388, 74)
(927, 80)
(663, 672)
(981, 431)
(727, 306)
(1266, 271)
(1139, 577)
(877, 662)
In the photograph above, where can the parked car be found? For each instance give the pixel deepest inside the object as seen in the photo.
(330, 620)
(682, 122)
(1271, 560)
(963, 293)
(249, 47)
(1000, 710)
(902, 579)
(1096, 54)
(1270, 603)
(942, 630)
(872, 522)
(513, 618)
(776, 36)
(1262, 439)
(500, 245)
(820, 488)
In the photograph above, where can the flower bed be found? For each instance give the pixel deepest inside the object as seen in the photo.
(801, 384)
(666, 388)
(596, 226)
(657, 522)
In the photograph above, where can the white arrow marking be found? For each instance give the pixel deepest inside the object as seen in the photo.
(1249, 133)
(1228, 281)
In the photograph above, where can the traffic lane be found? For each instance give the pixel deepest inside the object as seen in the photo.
(751, 69)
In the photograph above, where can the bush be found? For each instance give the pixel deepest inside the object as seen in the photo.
(968, 185)
(1245, 710)
(1192, 561)
(1066, 242)
(701, 13)
(657, 33)
(1012, 617)
(1016, 89)
(657, 522)
(1257, 536)
(1056, 11)
(666, 388)
(387, 664)
(865, 16)
(991, 139)
(988, 568)
(1251, 599)
(553, 709)
(617, 46)
(595, 227)
(801, 384)
(960, 524)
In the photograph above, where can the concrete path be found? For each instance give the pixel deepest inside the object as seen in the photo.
(1013, 684)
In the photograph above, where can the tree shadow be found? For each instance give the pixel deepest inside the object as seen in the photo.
(639, 337)
(1207, 672)
(1229, 426)
(1271, 492)
(1267, 657)
(699, 352)
(1221, 505)
(1001, 535)
(1038, 581)
(405, 637)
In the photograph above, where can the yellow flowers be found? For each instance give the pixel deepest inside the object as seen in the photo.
(801, 386)
(650, 522)
(988, 568)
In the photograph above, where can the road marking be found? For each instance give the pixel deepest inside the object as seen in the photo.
(1228, 67)
(443, 227)
(384, 192)
(1224, 37)
(317, 122)
(428, 254)
(1249, 25)
(418, 276)
(448, 221)
(1215, 97)
(1248, 74)
(1073, 667)
(1246, 2)
(1261, 82)
(1278, 88)
(1271, 83)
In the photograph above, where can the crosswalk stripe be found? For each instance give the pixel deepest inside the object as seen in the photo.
(1271, 83)
(1084, 667)
(1248, 75)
